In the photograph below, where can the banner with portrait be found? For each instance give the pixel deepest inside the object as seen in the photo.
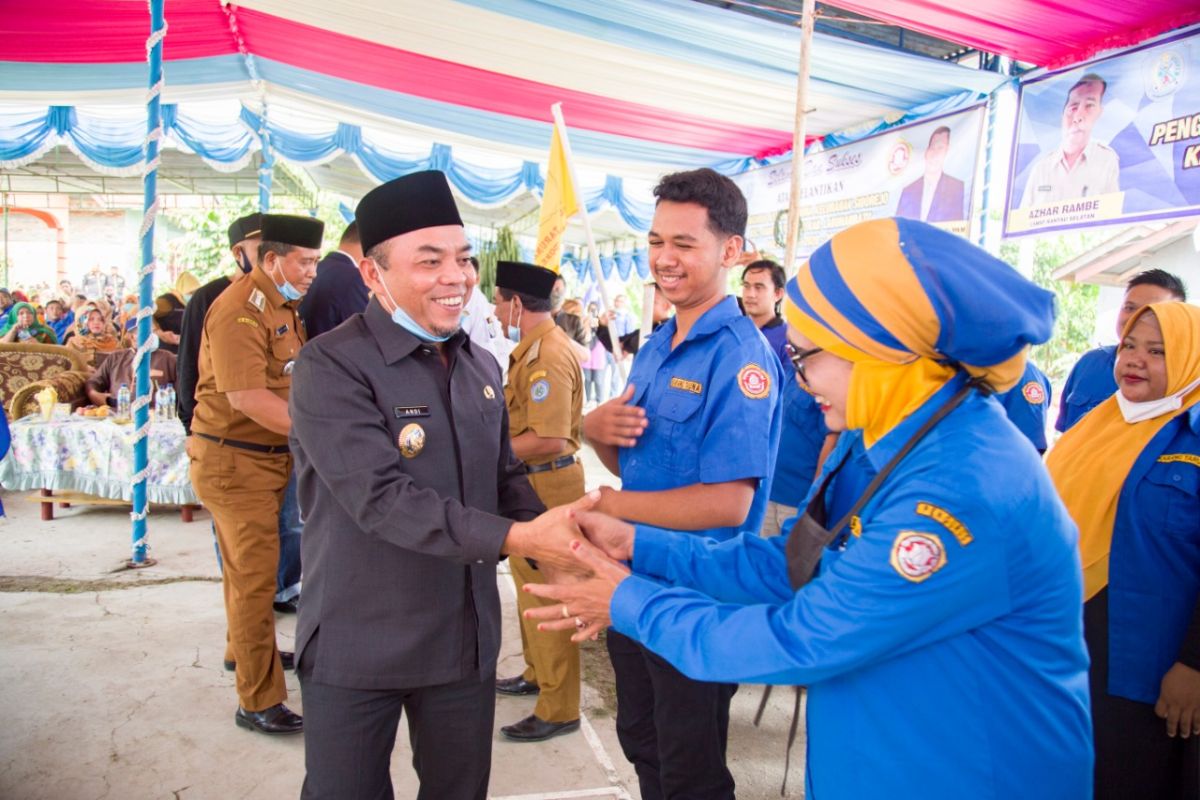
(1114, 140)
(924, 170)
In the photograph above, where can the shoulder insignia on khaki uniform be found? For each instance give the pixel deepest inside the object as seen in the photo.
(248, 321)
(917, 555)
(540, 390)
(534, 350)
(257, 299)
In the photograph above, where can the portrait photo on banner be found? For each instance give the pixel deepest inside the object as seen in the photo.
(923, 170)
(1113, 140)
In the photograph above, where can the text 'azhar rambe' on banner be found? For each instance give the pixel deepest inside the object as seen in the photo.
(1114, 140)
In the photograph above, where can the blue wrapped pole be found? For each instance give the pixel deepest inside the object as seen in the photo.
(141, 361)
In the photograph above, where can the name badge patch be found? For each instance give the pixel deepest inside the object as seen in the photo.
(686, 385)
(405, 412)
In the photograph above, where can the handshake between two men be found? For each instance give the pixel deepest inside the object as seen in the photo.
(580, 553)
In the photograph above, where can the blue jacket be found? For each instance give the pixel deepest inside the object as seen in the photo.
(713, 407)
(336, 294)
(942, 647)
(1090, 383)
(1154, 565)
(1027, 404)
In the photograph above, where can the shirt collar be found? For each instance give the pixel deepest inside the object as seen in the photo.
(711, 321)
(527, 339)
(394, 341)
(897, 437)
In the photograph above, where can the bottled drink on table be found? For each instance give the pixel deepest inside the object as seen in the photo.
(123, 401)
(169, 409)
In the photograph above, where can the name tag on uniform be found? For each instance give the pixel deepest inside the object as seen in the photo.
(686, 385)
(405, 412)
(281, 330)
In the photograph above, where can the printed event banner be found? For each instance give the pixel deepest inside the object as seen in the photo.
(1115, 140)
(925, 170)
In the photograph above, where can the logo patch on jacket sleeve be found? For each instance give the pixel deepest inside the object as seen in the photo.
(1034, 393)
(540, 390)
(917, 555)
(754, 381)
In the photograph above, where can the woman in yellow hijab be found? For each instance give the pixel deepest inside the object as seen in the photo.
(1129, 474)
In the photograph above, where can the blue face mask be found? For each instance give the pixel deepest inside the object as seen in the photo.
(514, 331)
(286, 289)
(401, 318)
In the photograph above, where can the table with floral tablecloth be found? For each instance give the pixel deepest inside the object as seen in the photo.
(95, 457)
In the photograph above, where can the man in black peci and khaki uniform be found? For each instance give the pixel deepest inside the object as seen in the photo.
(410, 491)
(240, 462)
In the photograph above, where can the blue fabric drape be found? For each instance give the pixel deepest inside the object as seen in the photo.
(117, 144)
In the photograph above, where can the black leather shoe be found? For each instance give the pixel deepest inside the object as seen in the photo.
(287, 606)
(278, 720)
(516, 686)
(533, 729)
(287, 659)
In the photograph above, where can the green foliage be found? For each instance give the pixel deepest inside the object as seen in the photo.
(203, 248)
(502, 247)
(1076, 302)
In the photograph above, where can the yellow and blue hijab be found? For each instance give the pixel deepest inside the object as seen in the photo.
(911, 305)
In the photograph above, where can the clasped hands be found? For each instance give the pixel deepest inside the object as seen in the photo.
(579, 551)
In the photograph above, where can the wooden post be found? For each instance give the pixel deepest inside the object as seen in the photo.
(799, 134)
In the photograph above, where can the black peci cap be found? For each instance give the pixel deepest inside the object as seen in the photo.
(530, 279)
(245, 228)
(416, 201)
(293, 230)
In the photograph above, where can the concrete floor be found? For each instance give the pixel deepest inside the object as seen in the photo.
(111, 683)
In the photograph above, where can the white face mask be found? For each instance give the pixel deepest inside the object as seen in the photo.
(1139, 412)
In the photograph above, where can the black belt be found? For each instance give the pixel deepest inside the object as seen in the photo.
(273, 449)
(558, 463)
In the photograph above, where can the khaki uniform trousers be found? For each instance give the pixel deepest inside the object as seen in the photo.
(551, 658)
(243, 491)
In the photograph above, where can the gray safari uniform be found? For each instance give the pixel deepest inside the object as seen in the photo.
(406, 478)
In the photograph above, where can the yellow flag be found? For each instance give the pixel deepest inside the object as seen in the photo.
(559, 203)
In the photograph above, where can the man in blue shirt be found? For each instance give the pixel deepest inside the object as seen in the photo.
(762, 292)
(1091, 380)
(693, 438)
(1027, 404)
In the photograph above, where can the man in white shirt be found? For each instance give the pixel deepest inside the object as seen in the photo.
(1078, 167)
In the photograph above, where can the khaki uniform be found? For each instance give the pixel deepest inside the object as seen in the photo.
(251, 337)
(544, 394)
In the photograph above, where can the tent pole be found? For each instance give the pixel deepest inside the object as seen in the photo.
(801, 126)
(141, 359)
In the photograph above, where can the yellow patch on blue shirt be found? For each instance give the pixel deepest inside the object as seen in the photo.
(1180, 458)
(948, 520)
(686, 385)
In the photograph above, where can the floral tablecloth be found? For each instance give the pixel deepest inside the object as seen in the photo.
(95, 456)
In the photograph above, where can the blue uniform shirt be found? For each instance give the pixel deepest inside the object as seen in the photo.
(713, 408)
(800, 443)
(1090, 383)
(775, 332)
(942, 647)
(1154, 565)
(1027, 404)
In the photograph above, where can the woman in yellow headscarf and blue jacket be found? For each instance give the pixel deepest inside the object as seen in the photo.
(940, 640)
(1129, 473)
